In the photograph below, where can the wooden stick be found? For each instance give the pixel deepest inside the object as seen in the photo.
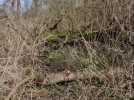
(68, 76)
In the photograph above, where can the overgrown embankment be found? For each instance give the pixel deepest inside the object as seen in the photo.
(94, 39)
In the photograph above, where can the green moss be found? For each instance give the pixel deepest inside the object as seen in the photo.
(52, 38)
(56, 55)
(66, 37)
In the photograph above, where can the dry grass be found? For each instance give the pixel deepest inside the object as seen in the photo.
(95, 37)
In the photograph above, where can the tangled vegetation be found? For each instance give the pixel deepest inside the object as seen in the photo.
(66, 52)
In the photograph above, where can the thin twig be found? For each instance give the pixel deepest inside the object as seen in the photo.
(16, 88)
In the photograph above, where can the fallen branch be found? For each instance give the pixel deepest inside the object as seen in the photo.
(67, 75)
